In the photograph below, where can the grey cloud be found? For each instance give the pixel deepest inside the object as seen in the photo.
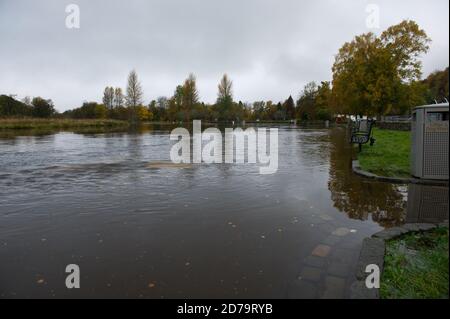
(270, 48)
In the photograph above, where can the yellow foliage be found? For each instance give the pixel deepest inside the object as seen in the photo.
(144, 114)
(371, 74)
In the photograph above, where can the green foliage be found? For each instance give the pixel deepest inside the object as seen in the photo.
(314, 102)
(323, 115)
(416, 266)
(289, 108)
(263, 110)
(121, 113)
(159, 109)
(42, 108)
(39, 107)
(89, 110)
(437, 86)
(190, 96)
(224, 102)
(10, 107)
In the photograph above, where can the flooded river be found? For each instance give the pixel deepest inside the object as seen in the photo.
(140, 227)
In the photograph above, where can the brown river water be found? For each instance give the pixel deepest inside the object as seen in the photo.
(139, 227)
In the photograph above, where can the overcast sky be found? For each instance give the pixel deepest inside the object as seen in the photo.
(269, 48)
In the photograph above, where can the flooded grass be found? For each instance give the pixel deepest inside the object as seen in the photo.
(58, 124)
(390, 156)
(416, 267)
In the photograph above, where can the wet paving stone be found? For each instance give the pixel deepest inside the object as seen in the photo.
(341, 232)
(339, 269)
(301, 289)
(332, 240)
(321, 251)
(342, 255)
(315, 261)
(354, 244)
(326, 229)
(334, 288)
(310, 273)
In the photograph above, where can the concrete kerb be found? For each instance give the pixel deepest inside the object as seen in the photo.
(373, 251)
(356, 168)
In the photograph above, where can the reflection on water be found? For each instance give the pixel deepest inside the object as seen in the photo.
(358, 197)
(140, 227)
(427, 204)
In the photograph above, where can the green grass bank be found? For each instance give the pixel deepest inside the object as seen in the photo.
(58, 124)
(390, 156)
(416, 266)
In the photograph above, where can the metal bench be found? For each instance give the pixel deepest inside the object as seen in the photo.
(362, 133)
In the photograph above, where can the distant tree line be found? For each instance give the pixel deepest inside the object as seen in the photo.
(436, 85)
(372, 75)
(36, 107)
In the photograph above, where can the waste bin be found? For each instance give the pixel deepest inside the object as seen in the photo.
(430, 139)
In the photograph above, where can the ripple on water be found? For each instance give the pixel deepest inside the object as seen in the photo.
(220, 219)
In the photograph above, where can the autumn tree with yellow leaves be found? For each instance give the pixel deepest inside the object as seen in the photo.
(380, 75)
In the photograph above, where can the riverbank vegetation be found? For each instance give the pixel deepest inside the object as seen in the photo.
(416, 266)
(390, 156)
(58, 124)
(372, 75)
